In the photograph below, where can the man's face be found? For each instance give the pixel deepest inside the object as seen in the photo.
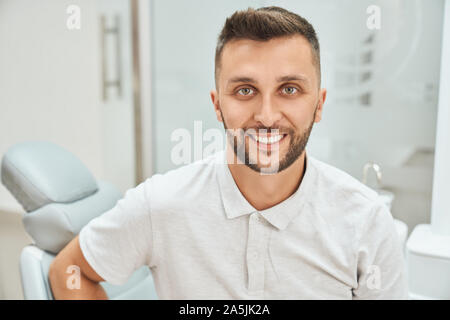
(269, 90)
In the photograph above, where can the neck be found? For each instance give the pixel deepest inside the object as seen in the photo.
(265, 191)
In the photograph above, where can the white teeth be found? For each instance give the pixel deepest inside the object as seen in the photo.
(268, 140)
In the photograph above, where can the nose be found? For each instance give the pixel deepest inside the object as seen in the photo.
(268, 113)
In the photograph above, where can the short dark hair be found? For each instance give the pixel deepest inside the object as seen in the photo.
(264, 24)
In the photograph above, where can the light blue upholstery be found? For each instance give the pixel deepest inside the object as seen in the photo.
(54, 225)
(40, 172)
(60, 196)
(34, 266)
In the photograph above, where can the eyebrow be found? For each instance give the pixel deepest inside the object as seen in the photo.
(292, 77)
(241, 79)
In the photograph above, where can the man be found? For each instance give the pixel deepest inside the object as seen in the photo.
(261, 220)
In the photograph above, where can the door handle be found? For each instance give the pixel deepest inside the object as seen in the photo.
(114, 31)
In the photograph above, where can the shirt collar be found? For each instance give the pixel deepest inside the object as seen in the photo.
(280, 215)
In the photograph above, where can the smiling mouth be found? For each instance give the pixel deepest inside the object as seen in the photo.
(268, 141)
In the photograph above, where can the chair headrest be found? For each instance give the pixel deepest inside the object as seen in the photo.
(58, 192)
(40, 172)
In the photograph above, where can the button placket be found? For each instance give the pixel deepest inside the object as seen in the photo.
(255, 255)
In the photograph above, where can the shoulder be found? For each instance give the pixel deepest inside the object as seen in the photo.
(343, 200)
(341, 184)
(342, 197)
(184, 182)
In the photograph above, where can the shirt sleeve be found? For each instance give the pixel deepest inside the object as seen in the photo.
(118, 242)
(381, 269)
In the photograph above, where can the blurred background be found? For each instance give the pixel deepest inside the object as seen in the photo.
(112, 90)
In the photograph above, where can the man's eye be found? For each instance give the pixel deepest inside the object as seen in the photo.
(245, 91)
(290, 90)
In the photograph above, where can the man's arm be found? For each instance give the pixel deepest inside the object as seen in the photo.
(89, 288)
(110, 248)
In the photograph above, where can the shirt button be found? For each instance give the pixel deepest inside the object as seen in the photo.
(255, 255)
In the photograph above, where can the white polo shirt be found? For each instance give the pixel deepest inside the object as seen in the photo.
(331, 239)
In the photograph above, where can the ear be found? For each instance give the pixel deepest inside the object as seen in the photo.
(215, 101)
(322, 97)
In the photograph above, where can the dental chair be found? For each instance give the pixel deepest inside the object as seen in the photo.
(60, 196)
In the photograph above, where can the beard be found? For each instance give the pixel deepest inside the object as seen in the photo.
(297, 144)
